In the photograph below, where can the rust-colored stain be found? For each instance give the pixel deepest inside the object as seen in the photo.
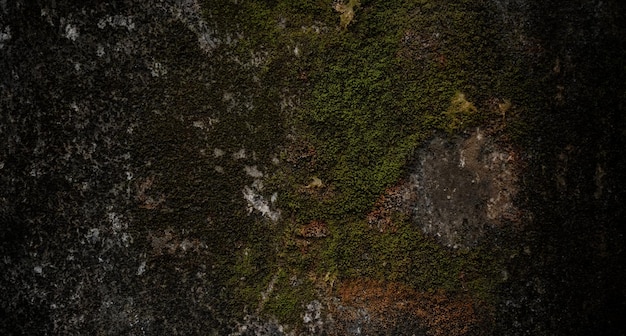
(441, 313)
(315, 229)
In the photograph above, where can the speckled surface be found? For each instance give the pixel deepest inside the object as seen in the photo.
(158, 171)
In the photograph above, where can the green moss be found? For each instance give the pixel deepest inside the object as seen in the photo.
(289, 297)
(376, 93)
(369, 95)
(355, 250)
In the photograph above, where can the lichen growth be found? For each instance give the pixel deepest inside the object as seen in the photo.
(459, 113)
(346, 11)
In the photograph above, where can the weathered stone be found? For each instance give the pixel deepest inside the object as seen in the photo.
(464, 187)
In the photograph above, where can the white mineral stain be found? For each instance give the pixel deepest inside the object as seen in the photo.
(186, 245)
(117, 21)
(142, 268)
(5, 35)
(71, 32)
(218, 152)
(257, 184)
(116, 221)
(189, 12)
(258, 203)
(157, 69)
(93, 236)
(241, 154)
(253, 171)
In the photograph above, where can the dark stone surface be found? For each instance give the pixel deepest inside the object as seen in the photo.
(86, 122)
(117, 219)
(574, 265)
(464, 187)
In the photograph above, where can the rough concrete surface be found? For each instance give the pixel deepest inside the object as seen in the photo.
(160, 172)
(464, 187)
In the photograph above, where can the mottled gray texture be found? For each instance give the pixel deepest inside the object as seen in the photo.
(464, 187)
(92, 127)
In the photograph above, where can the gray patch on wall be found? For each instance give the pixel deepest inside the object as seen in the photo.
(464, 187)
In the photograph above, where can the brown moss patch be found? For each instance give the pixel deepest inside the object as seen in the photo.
(392, 202)
(315, 229)
(440, 313)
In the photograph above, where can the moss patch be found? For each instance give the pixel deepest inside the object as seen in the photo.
(367, 94)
